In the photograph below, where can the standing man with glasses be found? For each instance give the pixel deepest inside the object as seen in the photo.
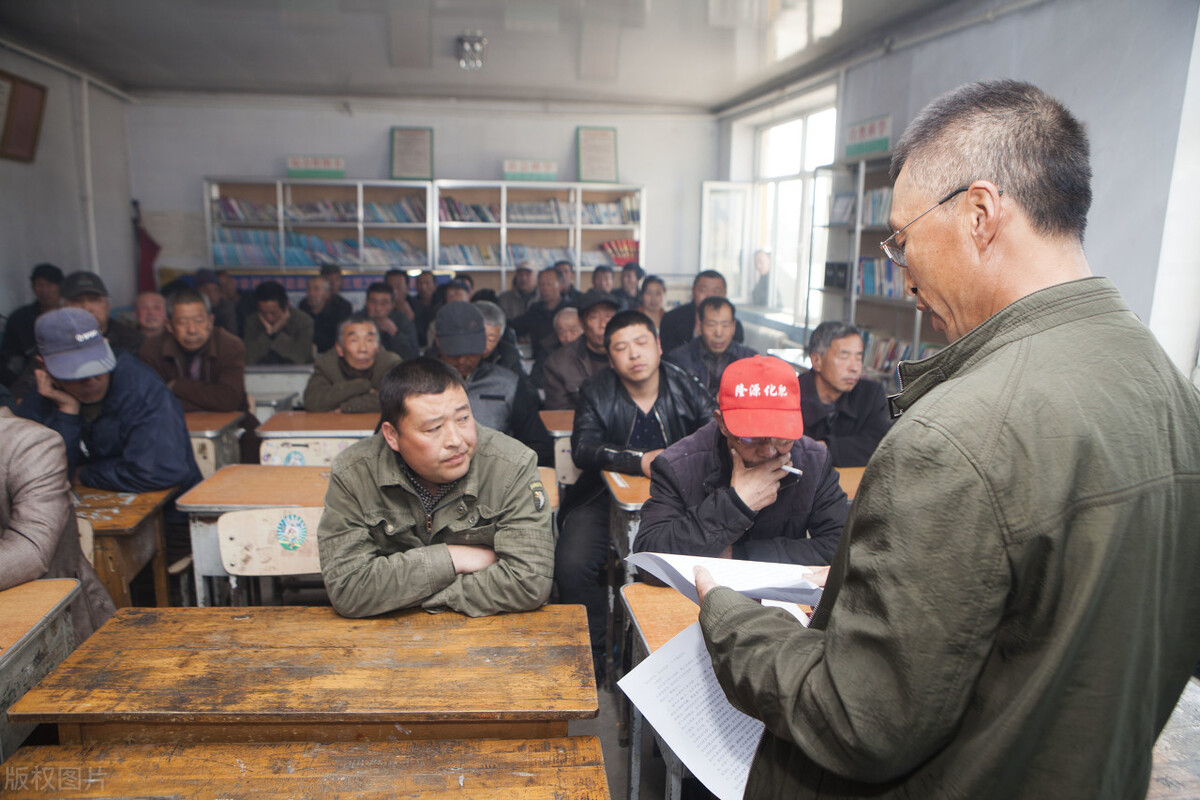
(842, 409)
(1012, 610)
(729, 489)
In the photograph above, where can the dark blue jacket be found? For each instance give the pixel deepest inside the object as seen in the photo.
(139, 443)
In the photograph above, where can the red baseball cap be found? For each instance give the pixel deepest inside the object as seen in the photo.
(760, 396)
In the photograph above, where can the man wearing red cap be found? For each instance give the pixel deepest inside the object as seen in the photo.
(731, 489)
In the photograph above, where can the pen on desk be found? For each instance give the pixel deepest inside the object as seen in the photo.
(792, 470)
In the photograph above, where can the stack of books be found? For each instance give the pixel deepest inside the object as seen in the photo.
(552, 212)
(877, 207)
(230, 209)
(410, 209)
(483, 255)
(538, 256)
(235, 247)
(625, 212)
(879, 277)
(322, 211)
(450, 210)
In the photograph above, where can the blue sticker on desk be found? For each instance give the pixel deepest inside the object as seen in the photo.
(294, 458)
(291, 532)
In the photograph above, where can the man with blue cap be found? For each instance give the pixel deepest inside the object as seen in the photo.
(123, 428)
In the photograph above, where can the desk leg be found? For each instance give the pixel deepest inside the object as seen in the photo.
(206, 554)
(108, 560)
(635, 755)
(162, 596)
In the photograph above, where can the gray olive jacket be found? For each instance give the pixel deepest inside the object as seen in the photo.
(329, 389)
(1013, 608)
(380, 551)
(38, 535)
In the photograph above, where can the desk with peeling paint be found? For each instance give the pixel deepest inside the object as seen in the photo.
(279, 673)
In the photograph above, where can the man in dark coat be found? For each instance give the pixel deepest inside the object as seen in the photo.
(681, 324)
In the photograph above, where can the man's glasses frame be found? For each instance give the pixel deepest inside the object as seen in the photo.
(896, 251)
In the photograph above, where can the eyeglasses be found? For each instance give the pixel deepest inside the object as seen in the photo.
(896, 251)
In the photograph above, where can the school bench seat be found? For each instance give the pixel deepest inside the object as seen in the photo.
(517, 769)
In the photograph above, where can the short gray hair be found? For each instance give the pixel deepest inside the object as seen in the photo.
(358, 318)
(827, 333)
(492, 314)
(565, 312)
(1012, 134)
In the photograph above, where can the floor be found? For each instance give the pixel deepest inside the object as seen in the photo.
(1176, 773)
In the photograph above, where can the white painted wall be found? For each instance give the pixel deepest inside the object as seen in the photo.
(42, 204)
(1175, 315)
(1119, 66)
(178, 141)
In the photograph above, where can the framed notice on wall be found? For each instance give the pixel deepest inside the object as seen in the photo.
(412, 154)
(596, 153)
(21, 106)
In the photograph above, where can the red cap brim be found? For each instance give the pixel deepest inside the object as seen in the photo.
(753, 423)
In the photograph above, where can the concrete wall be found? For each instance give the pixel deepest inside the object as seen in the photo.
(43, 204)
(178, 141)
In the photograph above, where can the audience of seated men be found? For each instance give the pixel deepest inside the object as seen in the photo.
(501, 399)
(87, 291)
(434, 510)
(567, 328)
(348, 377)
(682, 324)
(627, 293)
(846, 411)
(150, 311)
(327, 316)
(19, 346)
(723, 491)
(624, 418)
(566, 282)
(275, 333)
(499, 350)
(123, 429)
(537, 324)
(396, 332)
(203, 365)
(568, 367)
(707, 356)
(517, 300)
(38, 535)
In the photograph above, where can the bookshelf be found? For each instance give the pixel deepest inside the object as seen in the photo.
(289, 223)
(486, 227)
(851, 279)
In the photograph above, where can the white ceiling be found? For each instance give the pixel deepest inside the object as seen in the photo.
(691, 54)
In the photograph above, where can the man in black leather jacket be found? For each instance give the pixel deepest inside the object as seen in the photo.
(626, 415)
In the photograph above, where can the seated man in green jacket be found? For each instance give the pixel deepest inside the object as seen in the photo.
(434, 510)
(277, 334)
(347, 378)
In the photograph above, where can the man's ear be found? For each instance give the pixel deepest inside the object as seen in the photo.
(391, 435)
(983, 199)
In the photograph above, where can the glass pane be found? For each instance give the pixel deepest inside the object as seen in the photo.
(819, 145)
(725, 226)
(781, 149)
(786, 256)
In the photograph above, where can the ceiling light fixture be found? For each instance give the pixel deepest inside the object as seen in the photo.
(469, 48)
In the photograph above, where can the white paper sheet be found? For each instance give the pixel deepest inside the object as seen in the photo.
(757, 579)
(677, 692)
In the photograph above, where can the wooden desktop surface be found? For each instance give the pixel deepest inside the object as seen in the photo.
(256, 486)
(118, 513)
(658, 612)
(849, 478)
(628, 491)
(559, 423)
(569, 767)
(276, 673)
(26, 606)
(317, 424)
(211, 424)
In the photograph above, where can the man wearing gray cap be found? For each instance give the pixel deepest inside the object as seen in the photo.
(87, 291)
(123, 428)
(500, 398)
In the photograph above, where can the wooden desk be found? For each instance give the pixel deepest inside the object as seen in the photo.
(560, 424)
(214, 438)
(627, 493)
(267, 404)
(36, 634)
(128, 535)
(277, 379)
(849, 478)
(569, 767)
(237, 487)
(274, 674)
(313, 439)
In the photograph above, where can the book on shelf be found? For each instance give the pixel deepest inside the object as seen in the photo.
(410, 209)
(474, 255)
(230, 209)
(877, 207)
(451, 210)
(882, 352)
(880, 277)
(625, 212)
(837, 275)
(841, 212)
(621, 251)
(548, 212)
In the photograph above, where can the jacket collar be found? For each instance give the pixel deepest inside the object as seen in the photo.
(1040, 311)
